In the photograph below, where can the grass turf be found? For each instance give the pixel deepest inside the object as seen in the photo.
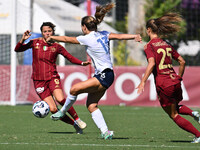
(134, 128)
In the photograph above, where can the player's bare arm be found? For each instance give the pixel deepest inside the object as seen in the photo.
(65, 39)
(136, 37)
(182, 66)
(149, 69)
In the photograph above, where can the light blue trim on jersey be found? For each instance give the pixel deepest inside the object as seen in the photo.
(98, 48)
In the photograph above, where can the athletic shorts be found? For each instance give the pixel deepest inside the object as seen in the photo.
(170, 95)
(106, 77)
(45, 88)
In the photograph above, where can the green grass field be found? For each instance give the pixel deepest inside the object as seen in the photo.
(134, 128)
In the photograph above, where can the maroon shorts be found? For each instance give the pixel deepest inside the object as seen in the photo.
(45, 88)
(170, 95)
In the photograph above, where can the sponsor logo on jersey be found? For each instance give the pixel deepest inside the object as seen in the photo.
(37, 45)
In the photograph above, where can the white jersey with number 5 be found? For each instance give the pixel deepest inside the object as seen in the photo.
(97, 47)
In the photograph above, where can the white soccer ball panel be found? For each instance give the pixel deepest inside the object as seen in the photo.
(40, 109)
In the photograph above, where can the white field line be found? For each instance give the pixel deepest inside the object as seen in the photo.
(105, 145)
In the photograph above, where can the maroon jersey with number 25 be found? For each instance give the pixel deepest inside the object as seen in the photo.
(44, 58)
(163, 53)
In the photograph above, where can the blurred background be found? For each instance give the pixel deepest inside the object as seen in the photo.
(129, 16)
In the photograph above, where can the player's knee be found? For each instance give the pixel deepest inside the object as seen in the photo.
(74, 90)
(53, 110)
(91, 107)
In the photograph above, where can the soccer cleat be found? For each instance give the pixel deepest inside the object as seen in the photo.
(57, 116)
(108, 135)
(77, 128)
(81, 124)
(196, 140)
(196, 116)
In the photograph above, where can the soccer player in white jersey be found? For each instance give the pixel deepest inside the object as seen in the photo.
(97, 47)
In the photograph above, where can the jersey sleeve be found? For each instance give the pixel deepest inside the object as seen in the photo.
(82, 39)
(68, 56)
(22, 47)
(175, 54)
(149, 51)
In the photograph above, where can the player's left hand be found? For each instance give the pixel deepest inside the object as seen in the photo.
(49, 40)
(85, 63)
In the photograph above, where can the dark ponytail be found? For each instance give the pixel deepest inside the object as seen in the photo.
(166, 25)
(91, 22)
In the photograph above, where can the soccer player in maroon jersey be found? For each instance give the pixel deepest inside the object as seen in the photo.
(168, 84)
(45, 76)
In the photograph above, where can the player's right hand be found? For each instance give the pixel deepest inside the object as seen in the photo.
(26, 34)
(138, 38)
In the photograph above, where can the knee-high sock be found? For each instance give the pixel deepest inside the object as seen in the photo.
(99, 120)
(67, 119)
(68, 103)
(186, 125)
(184, 110)
(71, 110)
(73, 113)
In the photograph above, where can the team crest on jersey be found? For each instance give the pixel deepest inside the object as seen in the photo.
(53, 49)
(56, 81)
(44, 48)
(40, 90)
(37, 45)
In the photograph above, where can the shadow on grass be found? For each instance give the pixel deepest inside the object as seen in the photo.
(62, 132)
(180, 141)
(120, 138)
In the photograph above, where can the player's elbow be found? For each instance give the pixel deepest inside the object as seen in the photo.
(16, 50)
(151, 62)
(182, 62)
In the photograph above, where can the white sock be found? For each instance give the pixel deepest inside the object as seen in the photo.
(99, 120)
(68, 103)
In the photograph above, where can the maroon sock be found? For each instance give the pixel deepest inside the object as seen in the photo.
(71, 110)
(184, 110)
(62, 102)
(73, 113)
(67, 119)
(186, 125)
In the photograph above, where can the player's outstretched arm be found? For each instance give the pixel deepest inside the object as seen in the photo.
(136, 37)
(65, 39)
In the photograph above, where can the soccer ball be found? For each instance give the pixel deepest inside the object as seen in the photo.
(40, 109)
